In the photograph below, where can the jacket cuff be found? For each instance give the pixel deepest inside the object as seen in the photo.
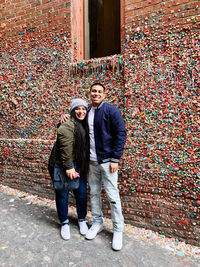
(69, 166)
(114, 160)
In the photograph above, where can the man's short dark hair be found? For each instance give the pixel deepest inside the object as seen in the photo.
(98, 84)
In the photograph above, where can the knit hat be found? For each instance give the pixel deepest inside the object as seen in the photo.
(78, 102)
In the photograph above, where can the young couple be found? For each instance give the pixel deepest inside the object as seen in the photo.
(92, 140)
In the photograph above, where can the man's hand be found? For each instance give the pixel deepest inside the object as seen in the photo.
(113, 167)
(64, 118)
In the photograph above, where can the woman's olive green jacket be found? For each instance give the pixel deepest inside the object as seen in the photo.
(63, 148)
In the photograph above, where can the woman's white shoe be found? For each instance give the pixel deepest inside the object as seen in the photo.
(83, 227)
(65, 231)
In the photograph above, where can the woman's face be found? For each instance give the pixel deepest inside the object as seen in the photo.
(80, 112)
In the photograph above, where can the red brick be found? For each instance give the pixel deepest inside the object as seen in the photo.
(143, 11)
(151, 3)
(191, 13)
(21, 13)
(168, 4)
(128, 14)
(31, 10)
(19, 4)
(192, 5)
(128, 2)
(133, 6)
(16, 1)
(129, 20)
(178, 2)
(157, 7)
(55, 4)
(45, 2)
(66, 9)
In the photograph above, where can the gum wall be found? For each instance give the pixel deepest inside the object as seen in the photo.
(154, 81)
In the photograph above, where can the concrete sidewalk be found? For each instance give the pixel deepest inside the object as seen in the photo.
(30, 236)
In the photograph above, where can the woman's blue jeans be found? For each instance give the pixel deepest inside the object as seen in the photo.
(62, 200)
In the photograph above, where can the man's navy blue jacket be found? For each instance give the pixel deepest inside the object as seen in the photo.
(109, 133)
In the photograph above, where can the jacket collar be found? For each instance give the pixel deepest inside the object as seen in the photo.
(99, 106)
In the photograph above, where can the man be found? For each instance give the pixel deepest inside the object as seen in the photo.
(107, 139)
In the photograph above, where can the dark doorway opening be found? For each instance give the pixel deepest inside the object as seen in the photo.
(104, 21)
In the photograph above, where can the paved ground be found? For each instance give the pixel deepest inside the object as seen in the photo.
(30, 236)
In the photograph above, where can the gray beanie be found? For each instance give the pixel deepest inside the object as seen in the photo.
(78, 102)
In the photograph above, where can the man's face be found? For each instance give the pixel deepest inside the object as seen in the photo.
(97, 95)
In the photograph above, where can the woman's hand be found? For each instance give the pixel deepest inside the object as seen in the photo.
(71, 173)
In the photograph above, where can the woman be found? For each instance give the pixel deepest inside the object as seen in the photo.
(72, 151)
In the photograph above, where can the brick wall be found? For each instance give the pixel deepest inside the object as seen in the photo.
(161, 166)
(154, 82)
(27, 16)
(157, 12)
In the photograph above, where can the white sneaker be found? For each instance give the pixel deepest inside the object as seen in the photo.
(94, 230)
(117, 240)
(65, 231)
(83, 227)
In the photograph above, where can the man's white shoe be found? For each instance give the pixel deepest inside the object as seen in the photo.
(65, 231)
(83, 227)
(117, 240)
(94, 230)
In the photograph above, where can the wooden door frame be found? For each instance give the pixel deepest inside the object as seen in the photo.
(78, 32)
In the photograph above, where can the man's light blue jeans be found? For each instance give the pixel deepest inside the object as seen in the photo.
(99, 173)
